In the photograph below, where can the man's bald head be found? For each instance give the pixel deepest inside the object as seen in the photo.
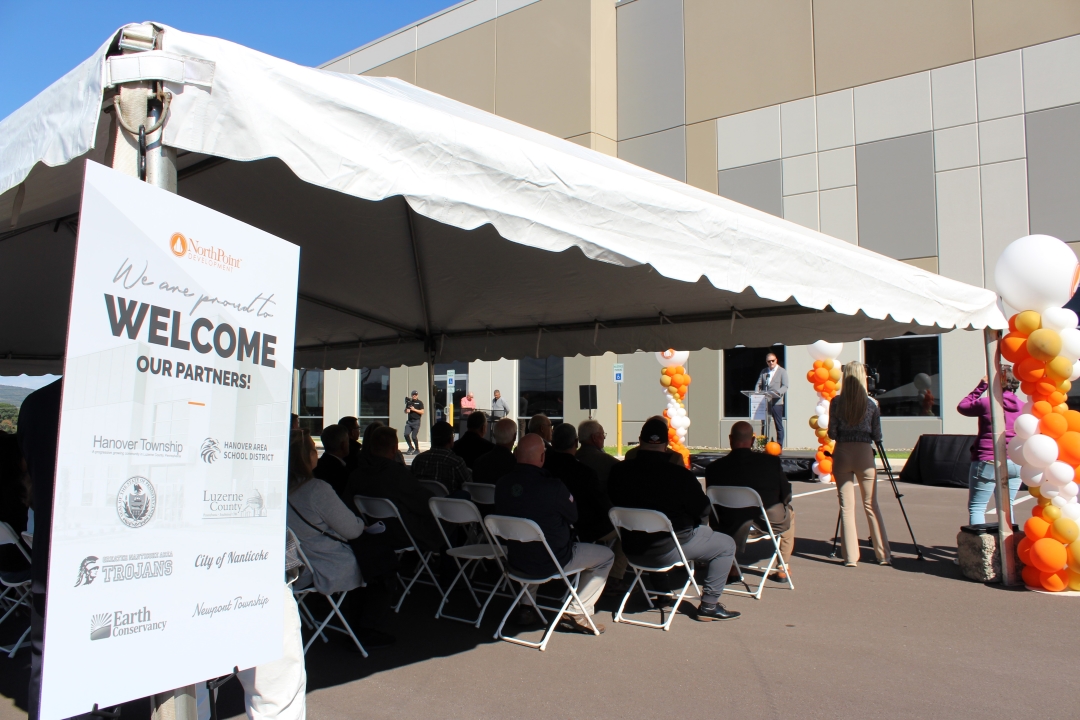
(742, 435)
(530, 451)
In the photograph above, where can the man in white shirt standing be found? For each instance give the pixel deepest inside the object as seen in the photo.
(774, 378)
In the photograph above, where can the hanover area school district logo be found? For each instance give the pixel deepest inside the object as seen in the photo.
(88, 571)
(135, 502)
(100, 626)
(178, 245)
(209, 450)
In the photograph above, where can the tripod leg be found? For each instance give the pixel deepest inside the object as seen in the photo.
(899, 499)
(836, 534)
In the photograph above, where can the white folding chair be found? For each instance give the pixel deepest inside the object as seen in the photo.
(651, 521)
(735, 497)
(383, 509)
(335, 606)
(14, 595)
(526, 531)
(482, 493)
(435, 487)
(463, 512)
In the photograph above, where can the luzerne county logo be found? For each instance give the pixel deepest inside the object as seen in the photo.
(136, 501)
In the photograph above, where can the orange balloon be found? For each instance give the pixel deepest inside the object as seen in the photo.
(1055, 581)
(773, 448)
(1061, 409)
(819, 456)
(819, 387)
(1014, 348)
(1032, 577)
(1023, 548)
(1045, 387)
(825, 466)
(1037, 511)
(682, 392)
(1048, 555)
(811, 376)
(818, 364)
(1012, 323)
(1053, 425)
(1036, 529)
(1069, 448)
(687, 378)
(1056, 398)
(1028, 388)
(680, 369)
(830, 386)
(821, 374)
(1041, 408)
(1029, 370)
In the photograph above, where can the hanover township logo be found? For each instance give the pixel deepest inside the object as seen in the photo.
(178, 245)
(209, 450)
(136, 501)
(101, 626)
(88, 571)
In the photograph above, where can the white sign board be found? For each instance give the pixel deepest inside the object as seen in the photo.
(618, 372)
(759, 407)
(168, 533)
(450, 382)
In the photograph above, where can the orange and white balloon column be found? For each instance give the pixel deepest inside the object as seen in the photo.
(676, 382)
(825, 376)
(1039, 274)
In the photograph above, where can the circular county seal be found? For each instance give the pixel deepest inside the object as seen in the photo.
(135, 502)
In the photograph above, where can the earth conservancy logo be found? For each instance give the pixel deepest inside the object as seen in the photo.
(212, 449)
(136, 502)
(118, 568)
(183, 247)
(121, 623)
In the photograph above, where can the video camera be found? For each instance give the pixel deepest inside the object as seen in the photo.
(873, 378)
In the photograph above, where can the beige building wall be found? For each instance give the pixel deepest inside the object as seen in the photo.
(341, 395)
(598, 371)
(461, 67)
(703, 398)
(402, 68)
(1003, 25)
(404, 380)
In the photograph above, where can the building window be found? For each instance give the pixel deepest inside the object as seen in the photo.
(907, 374)
(310, 405)
(742, 366)
(461, 381)
(374, 396)
(540, 388)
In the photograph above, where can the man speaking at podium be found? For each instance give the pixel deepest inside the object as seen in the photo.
(774, 378)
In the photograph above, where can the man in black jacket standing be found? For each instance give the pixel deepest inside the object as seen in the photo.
(530, 492)
(762, 472)
(650, 481)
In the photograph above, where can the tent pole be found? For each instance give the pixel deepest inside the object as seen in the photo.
(1010, 572)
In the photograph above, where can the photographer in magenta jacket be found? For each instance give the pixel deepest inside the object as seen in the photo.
(981, 483)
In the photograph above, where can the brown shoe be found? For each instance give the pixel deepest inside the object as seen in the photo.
(578, 624)
(779, 576)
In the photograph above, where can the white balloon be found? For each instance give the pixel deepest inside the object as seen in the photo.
(922, 382)
(1059, 502)
(1070, 343)
(1071, 511)
(680, 432)
(1037, 271)
(822, 408)
(1015, 450)
(823, 422)
(1025, 426)
(828, 478)
(815, 468)
(1031, 476)
(671, 358)
(1058, 318)
(1048, 491)
(1069, 491)
(1076, 372)
(1040, 451)
(682, 412)
(822, 350)
(1059, 474)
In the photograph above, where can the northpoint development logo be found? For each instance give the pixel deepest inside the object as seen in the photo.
(183, 247)
(136, 501)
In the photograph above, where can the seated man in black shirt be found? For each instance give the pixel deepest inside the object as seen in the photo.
(333, 466)
(652, 482)
(491, 466)
(352, 425)
(529, 492)
(473, 444)
(762, 472)
(593, 523)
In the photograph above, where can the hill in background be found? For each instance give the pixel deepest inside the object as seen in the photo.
(13, 395)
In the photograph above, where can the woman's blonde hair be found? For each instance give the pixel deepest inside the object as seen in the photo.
(853, 396)
(300, 469)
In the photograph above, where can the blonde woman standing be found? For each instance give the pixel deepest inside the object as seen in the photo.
(855, 425)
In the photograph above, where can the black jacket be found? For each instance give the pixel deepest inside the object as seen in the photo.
(491, 466)
(530, 492)
(470, 447)
(382, 478)
(335, 472)
(592, 503)
(353, 461)
(39, 433)
(760, 471)
(653, 482)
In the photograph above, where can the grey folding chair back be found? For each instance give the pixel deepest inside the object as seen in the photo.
(14, 595)
(651, 521)
(482, 493)
(462, 512)
(526, 531)
(335, 606)
(435, 487)
(383, 509)
(737, 497)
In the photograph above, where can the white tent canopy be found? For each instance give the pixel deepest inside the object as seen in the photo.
(431, 227)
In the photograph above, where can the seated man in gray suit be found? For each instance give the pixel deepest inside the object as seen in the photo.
(774, 378)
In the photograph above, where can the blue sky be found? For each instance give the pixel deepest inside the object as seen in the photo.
(40, 40)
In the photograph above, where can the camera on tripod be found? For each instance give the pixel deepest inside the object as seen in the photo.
(873, 379)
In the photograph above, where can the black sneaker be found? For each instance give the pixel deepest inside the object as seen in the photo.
(707, 612)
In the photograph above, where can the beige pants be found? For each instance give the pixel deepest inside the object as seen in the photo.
(854, 463)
